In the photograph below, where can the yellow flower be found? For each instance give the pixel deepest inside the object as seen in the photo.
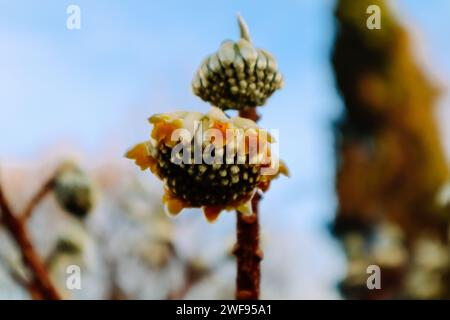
(198, 171)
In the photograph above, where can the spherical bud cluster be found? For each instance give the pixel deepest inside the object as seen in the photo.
(209, 161)
(73, 190)
(238, 76)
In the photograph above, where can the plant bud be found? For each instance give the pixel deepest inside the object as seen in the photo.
(73, 190)
(238, 76)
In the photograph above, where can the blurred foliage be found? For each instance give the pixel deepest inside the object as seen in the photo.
(391, 165)
(73, 190)
(126, 247)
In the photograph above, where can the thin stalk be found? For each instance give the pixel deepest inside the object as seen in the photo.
(247, 251)
(41, 286)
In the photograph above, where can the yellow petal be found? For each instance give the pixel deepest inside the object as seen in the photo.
(264, 184)
(265, 136)
(246, 208)
(157, 118)
(141, 156)
(222, 127)
(162, 131)
(283, 169)
(211, 213)
(173, 207)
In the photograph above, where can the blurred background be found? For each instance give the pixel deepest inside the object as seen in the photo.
(364, 128)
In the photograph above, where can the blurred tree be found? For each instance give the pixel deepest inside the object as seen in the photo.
(391, 165)
(126, 248)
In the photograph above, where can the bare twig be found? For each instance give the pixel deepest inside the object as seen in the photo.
(247, 250)
(20, 279)
(193, 275)
(41, 286)
(36, 199)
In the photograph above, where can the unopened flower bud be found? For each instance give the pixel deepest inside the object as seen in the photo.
(238, 76)
(73, 190)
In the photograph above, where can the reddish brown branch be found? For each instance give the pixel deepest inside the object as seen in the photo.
(41, 285)
(193, 275)
(20, 280)
(249, 113)
(43, 191)
(247, 251)
(248, 254)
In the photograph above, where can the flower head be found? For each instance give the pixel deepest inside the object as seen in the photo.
(238, 76)
(208, 160)
(73, 190)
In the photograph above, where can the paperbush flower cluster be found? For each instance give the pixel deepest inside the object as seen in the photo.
(208, 160)
(238, 76)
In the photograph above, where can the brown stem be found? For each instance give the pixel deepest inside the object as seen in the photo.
(20, 280)
(247, 251)
(40, 280)
(249, 113)
(43, 191)
(192, 276)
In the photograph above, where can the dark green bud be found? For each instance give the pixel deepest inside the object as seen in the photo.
(74, 191)
(238, 76)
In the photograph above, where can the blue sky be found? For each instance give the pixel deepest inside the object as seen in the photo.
(92, 89)
(132, 58)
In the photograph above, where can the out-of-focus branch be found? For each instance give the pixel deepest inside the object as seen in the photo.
(41, 287)
(20, 279)
(37, 198)
(193, 274)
